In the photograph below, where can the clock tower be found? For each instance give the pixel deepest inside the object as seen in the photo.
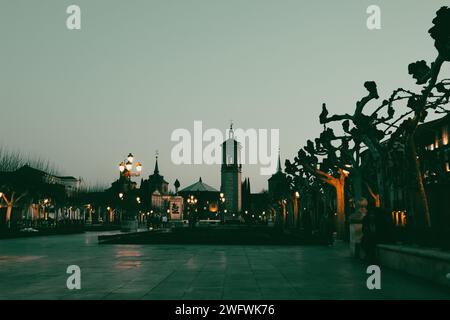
(231, 173)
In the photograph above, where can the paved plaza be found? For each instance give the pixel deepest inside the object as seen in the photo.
(35, 268)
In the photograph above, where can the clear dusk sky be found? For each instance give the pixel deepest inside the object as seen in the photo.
(137, 70)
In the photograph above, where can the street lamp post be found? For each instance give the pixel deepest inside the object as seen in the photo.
(221, 207)
(192, 201)
(128, 168)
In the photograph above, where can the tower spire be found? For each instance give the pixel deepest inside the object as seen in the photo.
(279, 162)
(156, 171)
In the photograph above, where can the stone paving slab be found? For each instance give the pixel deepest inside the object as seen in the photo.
(35, 268)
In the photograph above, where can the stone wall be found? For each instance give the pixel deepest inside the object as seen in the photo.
(430, 264)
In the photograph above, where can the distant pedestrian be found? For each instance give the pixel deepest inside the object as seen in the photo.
(164, 221)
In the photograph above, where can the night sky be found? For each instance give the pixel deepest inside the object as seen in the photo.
(137, 70)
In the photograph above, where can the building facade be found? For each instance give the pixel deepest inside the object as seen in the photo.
(201, 200)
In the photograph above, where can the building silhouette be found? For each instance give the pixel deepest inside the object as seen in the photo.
(278, 184)
(207, 200)
(155, 182)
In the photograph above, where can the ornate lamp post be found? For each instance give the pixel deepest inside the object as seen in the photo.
(126, 167)
(192, 201)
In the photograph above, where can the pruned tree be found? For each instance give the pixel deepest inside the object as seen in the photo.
(327, 163)
(20, 187)
(432, 98)
(313, 193)
(366, 131)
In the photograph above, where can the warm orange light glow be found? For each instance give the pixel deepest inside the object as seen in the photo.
(445, 136)
(399, 218)
(213, 208)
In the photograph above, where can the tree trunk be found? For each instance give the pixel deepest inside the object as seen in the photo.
(420, 186)
(380, 180)
(9, 210)
(340, 210)
(377, 155)
(296, 201)
(339, 185)
(110, 216)
(376, 197)
(377, 200)
(284, 217)
(8, 216)
(357, 188)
